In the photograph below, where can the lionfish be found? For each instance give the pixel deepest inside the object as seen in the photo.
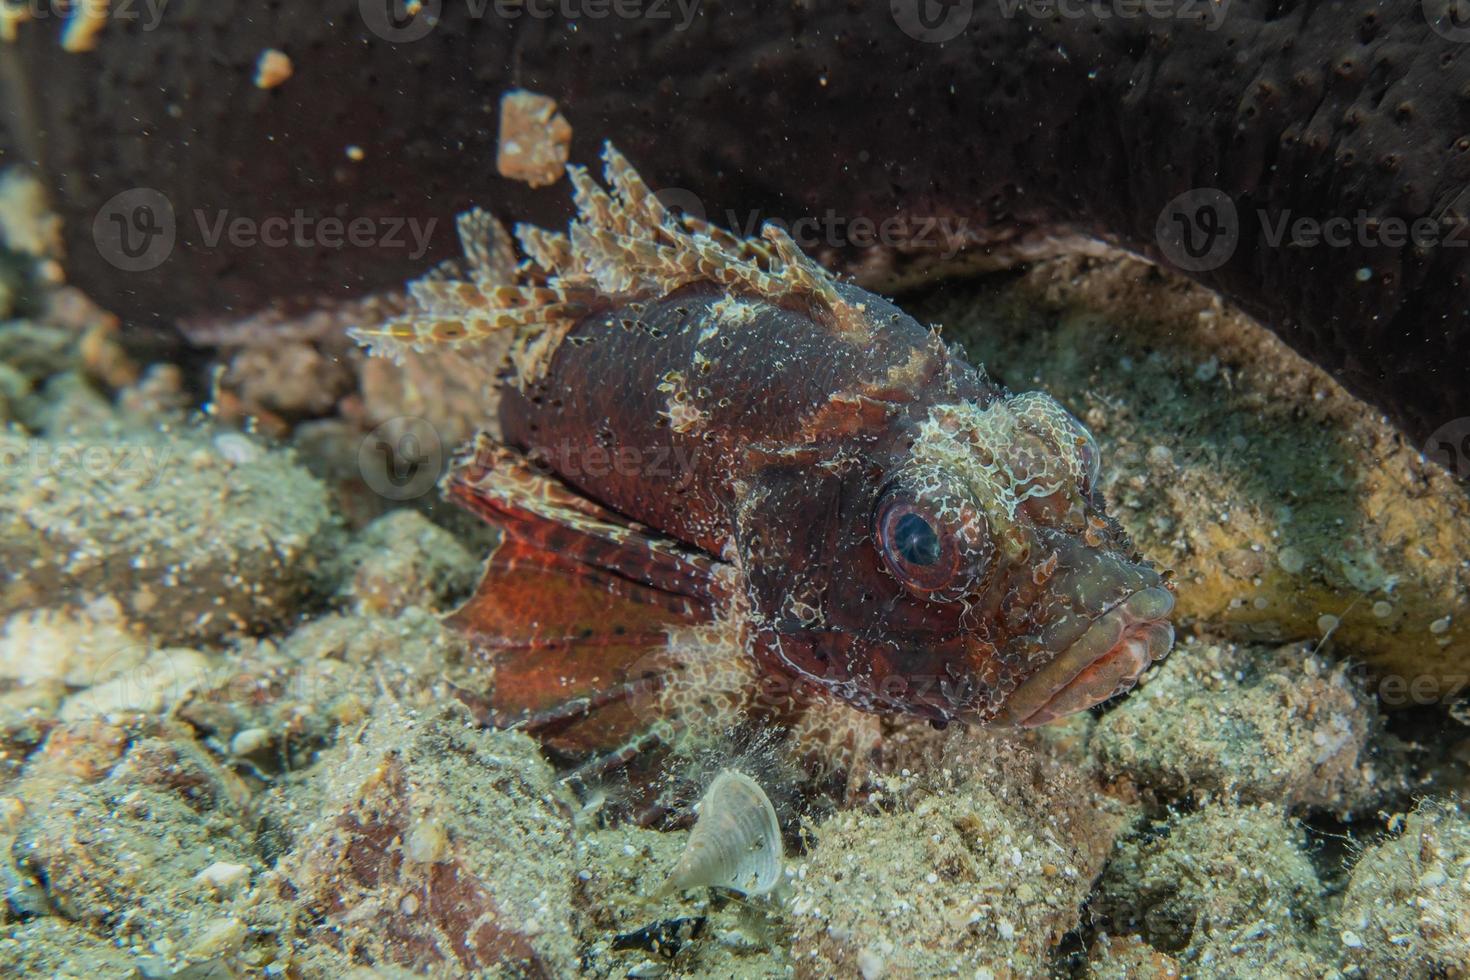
(732, 489)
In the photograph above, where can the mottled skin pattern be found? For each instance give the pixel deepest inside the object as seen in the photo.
(1016, 123)
(792, 434)
(721, 475)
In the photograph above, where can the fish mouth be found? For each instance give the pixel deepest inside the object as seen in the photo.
(1107, 659)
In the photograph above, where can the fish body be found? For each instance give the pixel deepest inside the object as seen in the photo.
(695, 429)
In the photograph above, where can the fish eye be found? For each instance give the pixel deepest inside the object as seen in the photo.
(915, 540)
(916, 547)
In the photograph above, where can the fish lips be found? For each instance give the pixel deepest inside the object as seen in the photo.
(1106, 660)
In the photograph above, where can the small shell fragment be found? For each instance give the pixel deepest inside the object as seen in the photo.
(735, 843)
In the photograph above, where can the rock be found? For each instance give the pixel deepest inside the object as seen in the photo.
(159, 396)
(293, 379)
(1406, 911)
(1129, 958)
(36, 351)
(378, 642)
(479, 812)
(402, 560)
(1279, 499)
(274, 707)
(1258, 725)
(224, 877)
(120, 852)
(164, 678)
(70, 410)
(1227, 891)
(984, 869)
(13, 389)
(194, 545)
(79, 647)
(53, 947)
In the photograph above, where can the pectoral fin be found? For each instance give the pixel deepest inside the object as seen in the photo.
(575, 606)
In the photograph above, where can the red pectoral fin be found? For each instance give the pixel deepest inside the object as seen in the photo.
(575, 605)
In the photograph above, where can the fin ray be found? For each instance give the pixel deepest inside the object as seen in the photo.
(575, 604)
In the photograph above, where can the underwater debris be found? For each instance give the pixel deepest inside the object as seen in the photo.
(535, 139)
(272, 68)
(736, 842)
(664, 938)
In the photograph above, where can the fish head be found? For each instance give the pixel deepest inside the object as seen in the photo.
(978, 578)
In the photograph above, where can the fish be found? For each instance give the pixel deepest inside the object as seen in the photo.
(730, 485)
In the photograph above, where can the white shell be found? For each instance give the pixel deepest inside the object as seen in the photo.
(735, 843)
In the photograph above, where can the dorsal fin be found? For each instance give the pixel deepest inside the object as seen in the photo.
(624, 245)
